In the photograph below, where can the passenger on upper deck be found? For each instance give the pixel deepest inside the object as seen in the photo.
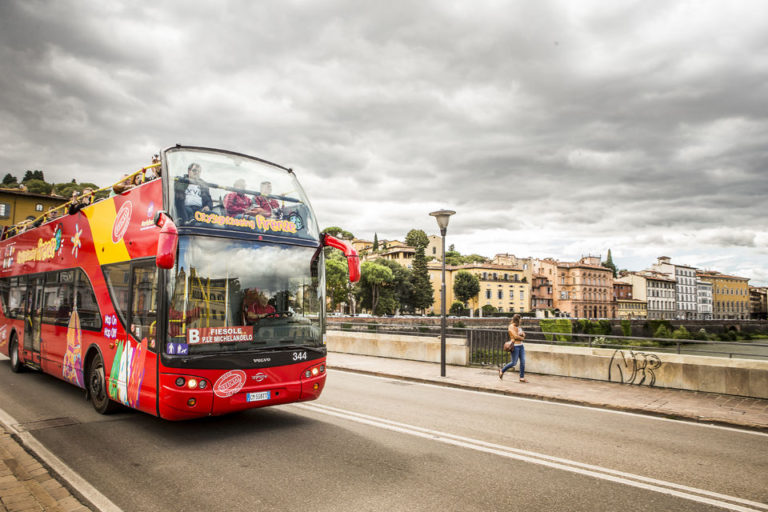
(86, 199)
(264, 204)
(121, 186)
(192, 193)
(236, 202)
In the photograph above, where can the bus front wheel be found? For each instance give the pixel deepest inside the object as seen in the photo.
(13, 351)
(97, 387)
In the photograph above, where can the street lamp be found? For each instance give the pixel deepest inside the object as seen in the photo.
(442, 217)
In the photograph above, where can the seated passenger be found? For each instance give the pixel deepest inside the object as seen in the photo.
(236, 202)
(191, 193)
(264, 204)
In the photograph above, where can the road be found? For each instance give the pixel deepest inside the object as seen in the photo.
(378, 444)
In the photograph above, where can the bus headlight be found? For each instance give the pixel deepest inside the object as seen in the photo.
(314, 371)
(192, 383)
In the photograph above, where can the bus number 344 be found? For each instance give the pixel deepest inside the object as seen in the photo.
(299, 356)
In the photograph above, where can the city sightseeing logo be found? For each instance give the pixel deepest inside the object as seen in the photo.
(259, 222)
(122, 220)
(45, 250)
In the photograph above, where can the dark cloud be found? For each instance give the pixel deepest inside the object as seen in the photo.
(551, 127)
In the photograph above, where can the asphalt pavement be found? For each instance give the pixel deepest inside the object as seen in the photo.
(26, 484)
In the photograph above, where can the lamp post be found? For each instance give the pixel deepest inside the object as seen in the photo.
(442, 217)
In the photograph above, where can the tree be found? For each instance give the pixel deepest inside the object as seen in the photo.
(339, 233)
(336, 279)
(373, 277)
(401, 289)
(466, 286)
(417, 238)
(10, 181)
(423, 296)
(38, 187)
(608, 263)
(33, 175)
(489, 309)
(457, 309)
(375, 242)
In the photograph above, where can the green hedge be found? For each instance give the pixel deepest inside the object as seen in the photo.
(556, 325)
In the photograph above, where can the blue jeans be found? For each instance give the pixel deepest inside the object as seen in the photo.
(518, 352)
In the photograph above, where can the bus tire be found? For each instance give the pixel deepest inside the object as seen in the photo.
(13, 352)
(97, 387)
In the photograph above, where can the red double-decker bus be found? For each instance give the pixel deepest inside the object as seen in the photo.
(198, 293)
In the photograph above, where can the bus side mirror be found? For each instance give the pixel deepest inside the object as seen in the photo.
(167, 241)
(353, 261)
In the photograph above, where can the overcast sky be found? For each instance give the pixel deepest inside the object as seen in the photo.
(554, 129)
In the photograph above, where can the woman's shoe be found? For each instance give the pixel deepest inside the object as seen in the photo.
(523, 380)
(501, 374)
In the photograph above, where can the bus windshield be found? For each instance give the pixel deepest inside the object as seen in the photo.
(235, 295)
(232, 192)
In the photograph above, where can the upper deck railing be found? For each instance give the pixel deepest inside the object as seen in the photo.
(125, 183)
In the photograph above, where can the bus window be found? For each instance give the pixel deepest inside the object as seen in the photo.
(58, 298)
(144, 303)
(17, 296)
(229, 192)
(87, 307)
(4, 288)
(119, 282)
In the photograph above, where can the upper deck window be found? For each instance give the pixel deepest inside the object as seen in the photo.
(236, 193)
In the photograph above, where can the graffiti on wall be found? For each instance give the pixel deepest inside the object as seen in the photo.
(630, 367)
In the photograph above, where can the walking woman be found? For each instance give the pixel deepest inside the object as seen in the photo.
(516, 335)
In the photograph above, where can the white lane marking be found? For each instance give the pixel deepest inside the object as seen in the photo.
(651, 484)
(89, 492)
(560, 404)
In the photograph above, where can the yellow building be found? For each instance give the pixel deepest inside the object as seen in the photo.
(502, 286)
(730, 295)
(17, 205)
(628, 309)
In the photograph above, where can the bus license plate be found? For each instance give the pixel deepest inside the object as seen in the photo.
(258, 397)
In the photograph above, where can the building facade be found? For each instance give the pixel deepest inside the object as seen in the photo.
(703, 299)
(685, 287)
(730, 295)
(502, 286)
(758, 302)
(17, 205)
(631, 309)
(541, 293)
(584, 289)
(656, 290)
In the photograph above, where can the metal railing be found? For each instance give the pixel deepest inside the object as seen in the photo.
(486, 346)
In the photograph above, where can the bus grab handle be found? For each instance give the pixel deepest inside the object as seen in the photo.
(353, 261)
(167, 241)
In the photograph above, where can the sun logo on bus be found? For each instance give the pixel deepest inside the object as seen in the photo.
(76, 243)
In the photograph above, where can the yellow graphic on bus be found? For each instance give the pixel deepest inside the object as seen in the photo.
(101, 217)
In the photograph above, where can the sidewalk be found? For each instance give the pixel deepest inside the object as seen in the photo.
(26, 485)
(727, 410)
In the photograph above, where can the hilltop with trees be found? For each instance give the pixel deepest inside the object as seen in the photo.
(34, 182)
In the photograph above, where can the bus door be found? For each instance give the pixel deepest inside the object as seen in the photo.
(32, 318)
(133, 375)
